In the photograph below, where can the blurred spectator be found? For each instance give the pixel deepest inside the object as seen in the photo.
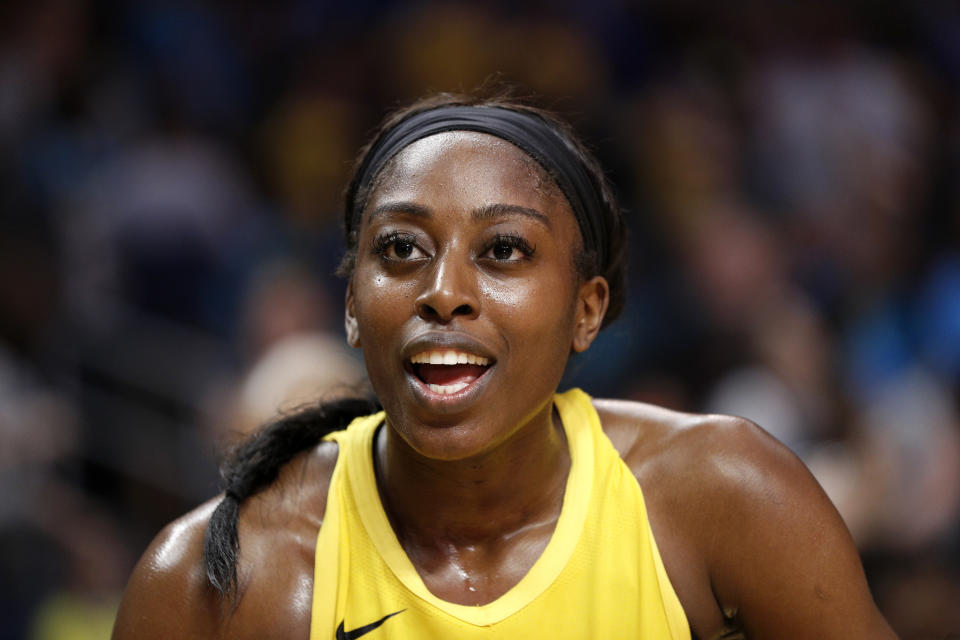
(310, 141)
(158, 226)
(294, 351)
(297, 370)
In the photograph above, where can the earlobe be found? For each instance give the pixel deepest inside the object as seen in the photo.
(592, 301)
(350, 319)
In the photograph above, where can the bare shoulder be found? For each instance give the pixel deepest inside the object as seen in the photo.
(672, 450)
(168, 595)
(748, 537)
(641, 432)
(672, 455)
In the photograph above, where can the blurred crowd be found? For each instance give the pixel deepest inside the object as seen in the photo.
(170, 180)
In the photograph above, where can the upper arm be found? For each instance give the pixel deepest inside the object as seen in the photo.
(778, 552)
(167, 595)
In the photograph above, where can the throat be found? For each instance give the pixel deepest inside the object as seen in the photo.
(475, 500)
(472, 528)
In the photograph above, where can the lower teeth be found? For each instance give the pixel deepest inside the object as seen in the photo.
(446, 389)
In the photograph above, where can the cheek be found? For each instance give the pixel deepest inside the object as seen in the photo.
(381, 303)
(536, 308)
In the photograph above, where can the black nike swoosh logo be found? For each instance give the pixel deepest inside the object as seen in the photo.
(365, 629)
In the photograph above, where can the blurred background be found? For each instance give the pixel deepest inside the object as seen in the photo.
(170, 179)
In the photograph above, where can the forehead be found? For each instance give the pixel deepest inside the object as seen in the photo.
(467, 166)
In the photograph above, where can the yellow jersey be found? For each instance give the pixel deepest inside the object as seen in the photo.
(600, 575)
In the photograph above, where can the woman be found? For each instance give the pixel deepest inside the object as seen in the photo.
(484, 248)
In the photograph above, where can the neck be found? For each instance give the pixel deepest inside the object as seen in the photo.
(480, 501)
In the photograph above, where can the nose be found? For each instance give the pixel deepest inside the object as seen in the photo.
(449, 291)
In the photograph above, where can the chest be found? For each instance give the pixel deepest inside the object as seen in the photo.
(479, 574)
(597, 574)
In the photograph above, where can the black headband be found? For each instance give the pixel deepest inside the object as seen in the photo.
(527, 131)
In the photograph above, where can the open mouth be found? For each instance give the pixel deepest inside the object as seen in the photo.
(447, 371)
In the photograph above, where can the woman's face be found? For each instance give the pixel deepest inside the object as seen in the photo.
(465, 298)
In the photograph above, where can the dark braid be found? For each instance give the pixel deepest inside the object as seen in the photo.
(254, 464)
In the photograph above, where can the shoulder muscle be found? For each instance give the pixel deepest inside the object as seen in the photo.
(168, 595)
(775, 553)
(779, 554)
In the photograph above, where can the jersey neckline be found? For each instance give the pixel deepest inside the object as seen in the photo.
(579, 419)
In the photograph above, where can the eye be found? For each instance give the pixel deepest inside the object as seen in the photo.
(509, 248)
(397, 247)
(402, 248)
(502, 251)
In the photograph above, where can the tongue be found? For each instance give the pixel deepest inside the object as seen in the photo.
(449, 373)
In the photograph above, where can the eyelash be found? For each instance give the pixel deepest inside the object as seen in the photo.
(383, 242)
(514, 242)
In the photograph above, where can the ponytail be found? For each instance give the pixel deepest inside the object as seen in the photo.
(254, 464)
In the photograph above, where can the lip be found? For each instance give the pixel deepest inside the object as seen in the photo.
(445, 340)
(447, 402)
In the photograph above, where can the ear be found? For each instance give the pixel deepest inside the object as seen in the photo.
(350, 319)
(592, 301)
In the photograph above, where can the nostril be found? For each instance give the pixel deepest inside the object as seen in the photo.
(430, 312)
(444, 304)
(426, 311)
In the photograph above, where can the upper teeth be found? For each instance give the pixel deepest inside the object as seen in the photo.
(448, 357)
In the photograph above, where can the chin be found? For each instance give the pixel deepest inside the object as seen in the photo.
(445, 441)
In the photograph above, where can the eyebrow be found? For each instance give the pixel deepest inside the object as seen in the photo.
(486, 212)
(490, 211)
(411, 208)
